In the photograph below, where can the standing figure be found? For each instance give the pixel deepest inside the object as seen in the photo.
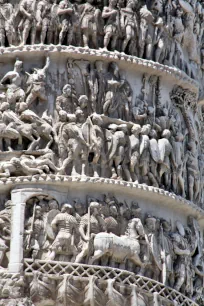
(67, 101)
(102, 86)
(90, 225)
(27, 24)
(34, 229)
(90, 23)
(167, 157)
(98, 145)
(65, 16)
(37, 83)
(193, 172)
(66, 228)
(146, 36)
(111, 29)
(7, 17)
(153, 269)
(43, 18)
(77, 147)
(13, 81)
(129, 24)
(135, 155)
(178, 179)
(120, 149)
(112, 100)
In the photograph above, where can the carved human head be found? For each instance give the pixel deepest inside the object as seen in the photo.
(179, 12)
(18, 66)
(62, 116)
(135, 210)
(113, 68)
(79, 207)
(151, 223)
(97, 120)
(136, 129)
(113, 3)
(99, 66)
(67, 90)
(53, 204)
(38, 211)
(153, 134)
(83, 101)
(67, 208)
(166, 225)
(146, 129)
(79, 115)
(94, 208)
(113, 211)
(166, 134)
(71, 118)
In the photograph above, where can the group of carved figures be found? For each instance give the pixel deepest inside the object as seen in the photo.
(99, 131)
(159, 31)
(111, 233)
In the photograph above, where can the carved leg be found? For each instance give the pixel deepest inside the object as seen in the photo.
(1, 145)
(33, 35)
(85, 35)
(97, 254)
(114, 41)
(107, 40)
(25, 35)
(2, 38)
(43, 34)
(31, 98)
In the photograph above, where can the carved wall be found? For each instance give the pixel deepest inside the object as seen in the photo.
(101, 153)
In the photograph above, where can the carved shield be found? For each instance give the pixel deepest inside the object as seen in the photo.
(48, 228)
(155, 250)
(154, 150)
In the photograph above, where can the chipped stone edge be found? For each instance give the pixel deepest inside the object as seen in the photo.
(154, 67)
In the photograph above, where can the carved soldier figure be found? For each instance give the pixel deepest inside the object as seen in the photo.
(135, 155)
(6, 23)
(98, 144)
(28, 22)
(77, 146)
(94, 221)
(111, 221)
(193, 172)
(177, 178)
(66, 228)
(64, 12)
(34, 229)
(36, 81)
(14, 92)
(112, 100)
(102, 85)
(111, 29)
(17, 166)
(67, 101)
(90, 22)
(154, 250)
(5, 232)
(120, 149)
(43, 18)
(129, 24)
(181, 249)
(168, 255)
